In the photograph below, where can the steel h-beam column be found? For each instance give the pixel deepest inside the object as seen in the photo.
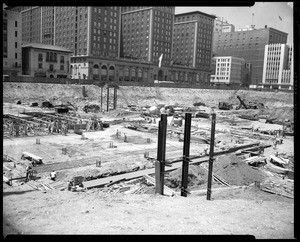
(107, 99)
(161, 153)
(186, 154)
(211, 154)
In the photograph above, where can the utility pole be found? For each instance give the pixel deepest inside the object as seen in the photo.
(211, 154)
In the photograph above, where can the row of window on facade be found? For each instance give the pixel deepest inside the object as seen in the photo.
(51, 67)
(104, 11)
(70, 10)
(237, 46)
(193, 17)
(51, 57)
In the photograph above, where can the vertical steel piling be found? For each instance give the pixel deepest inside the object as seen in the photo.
(211, 154)
(186, 154)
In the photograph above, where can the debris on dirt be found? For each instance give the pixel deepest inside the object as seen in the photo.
(197, 177)
(47, 104)
(34, 104)
(235, 171)
(197, 104)
(91, 108)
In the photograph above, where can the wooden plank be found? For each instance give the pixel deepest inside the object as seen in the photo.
(203, 192)
(115, 181)
(131, 175)
(273, 192)
(278, 160)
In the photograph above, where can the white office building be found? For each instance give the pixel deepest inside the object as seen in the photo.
(278, 71)
(228, 70)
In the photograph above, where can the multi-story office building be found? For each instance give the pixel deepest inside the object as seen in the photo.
(147, 33)
(193, 40)
(228, 70)
(92, 31)
(249, 45)
(41, 60)
(12, 30)
(31, 24)
(94, 36)
(278, 66)
(222, 26)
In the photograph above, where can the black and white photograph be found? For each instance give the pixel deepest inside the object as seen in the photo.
(149, 120)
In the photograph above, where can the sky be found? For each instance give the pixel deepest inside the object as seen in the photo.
(265, 13)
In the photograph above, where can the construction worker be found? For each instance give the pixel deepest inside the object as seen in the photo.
(53, 175)
(25, 130)
(274, 144)
(206, 150)
(70, 185)
(117, 134)
(51, 127)
(11, 128)
(64, 129)
(55, 128)
(28, 172)
(17, 130)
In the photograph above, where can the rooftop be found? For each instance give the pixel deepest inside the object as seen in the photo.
(46, 47)
(195, 12)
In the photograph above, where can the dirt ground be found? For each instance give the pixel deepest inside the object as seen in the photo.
(244, 210)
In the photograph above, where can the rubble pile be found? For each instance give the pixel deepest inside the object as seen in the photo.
(235, 171)
(197, 177)
(279, 186)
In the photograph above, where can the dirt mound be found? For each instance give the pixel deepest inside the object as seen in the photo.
(235, 171)
(197, 177)
(277, 113)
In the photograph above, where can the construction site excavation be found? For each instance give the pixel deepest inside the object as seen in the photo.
(108, 159)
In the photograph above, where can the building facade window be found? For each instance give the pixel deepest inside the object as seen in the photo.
(40, 57)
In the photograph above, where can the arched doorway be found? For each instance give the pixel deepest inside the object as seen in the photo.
(104, 73)
(51, 76)
(133, 75)
(126, 74)
(140, 75)
(111, 73)
(160, 75)
(96, 72)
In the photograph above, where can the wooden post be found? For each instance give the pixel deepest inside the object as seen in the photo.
(161, 152)
(211, 154)
(186, 154)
